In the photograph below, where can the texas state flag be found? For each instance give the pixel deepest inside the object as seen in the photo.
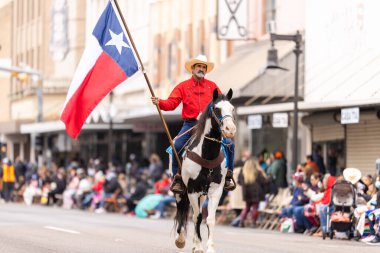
(107, 61)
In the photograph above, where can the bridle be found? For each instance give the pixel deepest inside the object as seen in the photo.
(219, 120)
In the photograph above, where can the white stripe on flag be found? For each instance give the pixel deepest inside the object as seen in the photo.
(87, 61)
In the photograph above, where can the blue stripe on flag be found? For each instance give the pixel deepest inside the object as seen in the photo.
(107, 31)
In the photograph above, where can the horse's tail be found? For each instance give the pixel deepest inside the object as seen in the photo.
(183, 207)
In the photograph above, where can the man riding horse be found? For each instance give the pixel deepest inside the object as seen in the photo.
(195, 94)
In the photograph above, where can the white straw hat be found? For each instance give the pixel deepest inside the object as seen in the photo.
(352, 175)
(199, 59)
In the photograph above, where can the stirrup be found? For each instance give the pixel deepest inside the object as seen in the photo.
(231, 181)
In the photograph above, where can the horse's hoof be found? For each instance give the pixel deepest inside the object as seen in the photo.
(180, 244)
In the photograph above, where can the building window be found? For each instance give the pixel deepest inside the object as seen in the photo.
(270, 15)
(170, 62)
(189, 43)
(202, 37)
(157, 57)
(178, 56)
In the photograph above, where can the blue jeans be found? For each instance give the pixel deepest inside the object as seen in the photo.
(323, 216)
(167, 200)
(301, 220)
(287, 212)
(103, 200)
(230, 153)
(181, 141)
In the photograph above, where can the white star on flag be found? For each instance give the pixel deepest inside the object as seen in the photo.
(117, 41)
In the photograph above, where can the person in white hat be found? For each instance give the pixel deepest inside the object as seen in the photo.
(195, 94)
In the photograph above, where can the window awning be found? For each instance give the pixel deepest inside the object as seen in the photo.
(306, 107)
(58, 126)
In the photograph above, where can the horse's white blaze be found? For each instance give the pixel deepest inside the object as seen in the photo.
(228, 125)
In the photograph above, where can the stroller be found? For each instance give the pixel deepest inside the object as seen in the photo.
(340, 216)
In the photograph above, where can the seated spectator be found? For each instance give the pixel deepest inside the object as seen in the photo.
(155, 167)
(83, 195)
(314, 190)
(97, 189)
(371, 213)
(159, 209)
(368, 181)
(32, 190)
(299, 197)
(70, 189)
(163, 184)
(297, 205)
(57, 186)
(148, 202)
(141, 190)
(111, 187)
(123, 183)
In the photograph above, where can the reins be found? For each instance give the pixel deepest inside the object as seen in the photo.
(188, 130)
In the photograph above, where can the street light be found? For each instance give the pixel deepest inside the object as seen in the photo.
(273, 64)
(23, 73)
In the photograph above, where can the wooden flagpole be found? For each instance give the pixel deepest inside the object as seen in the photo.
(150, 88)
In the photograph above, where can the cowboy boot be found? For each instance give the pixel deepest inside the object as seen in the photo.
(177, 185)
(229, 184)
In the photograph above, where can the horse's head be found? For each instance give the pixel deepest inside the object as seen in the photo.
(222, 111)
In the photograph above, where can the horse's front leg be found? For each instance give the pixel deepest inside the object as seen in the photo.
(213, 201)
(196, 203)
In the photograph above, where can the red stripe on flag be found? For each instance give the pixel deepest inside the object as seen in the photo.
(100, 80)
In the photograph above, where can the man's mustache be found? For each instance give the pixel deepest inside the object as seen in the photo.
(200, 71)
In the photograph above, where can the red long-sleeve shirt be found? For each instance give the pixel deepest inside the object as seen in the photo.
(195, 96)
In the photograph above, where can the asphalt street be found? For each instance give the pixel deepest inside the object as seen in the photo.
(47, 229)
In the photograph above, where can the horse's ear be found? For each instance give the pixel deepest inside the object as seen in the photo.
(215, 94)
(229, 94)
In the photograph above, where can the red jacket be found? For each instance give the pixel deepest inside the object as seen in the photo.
(327, 193)
(161, 185)
(195, 96)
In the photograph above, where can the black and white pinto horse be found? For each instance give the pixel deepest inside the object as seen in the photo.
(206, 180)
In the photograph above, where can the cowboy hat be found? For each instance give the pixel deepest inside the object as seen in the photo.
(352, 175)
(199, 59)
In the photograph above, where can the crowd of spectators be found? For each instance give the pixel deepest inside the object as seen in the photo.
(309, 209)
(93, 186)
(142, 189)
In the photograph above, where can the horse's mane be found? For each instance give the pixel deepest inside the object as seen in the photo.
(204, 116)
